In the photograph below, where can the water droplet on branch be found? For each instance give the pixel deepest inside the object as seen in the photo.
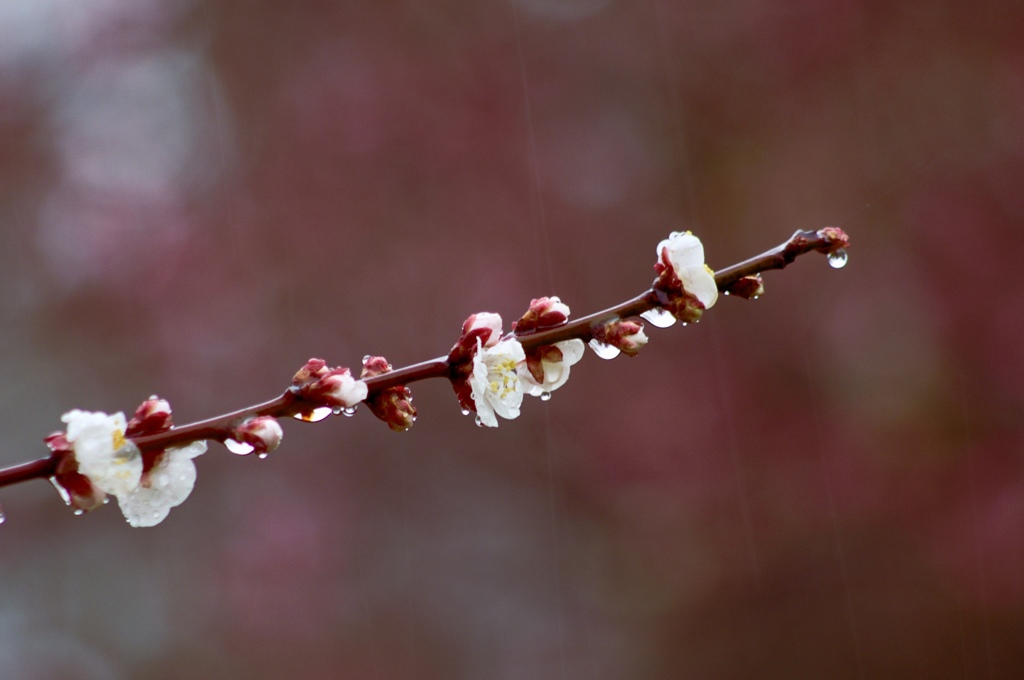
(603, 350)
(314, 416)
(837, 258)
(659, 317)
(238, 448)
(65, 496)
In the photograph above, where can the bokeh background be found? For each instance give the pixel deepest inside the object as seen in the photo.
(196, 197)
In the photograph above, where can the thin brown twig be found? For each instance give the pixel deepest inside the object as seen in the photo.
(827, 240)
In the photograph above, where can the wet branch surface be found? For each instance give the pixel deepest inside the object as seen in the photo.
(830, 241)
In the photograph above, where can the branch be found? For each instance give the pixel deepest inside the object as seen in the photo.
(741, 280)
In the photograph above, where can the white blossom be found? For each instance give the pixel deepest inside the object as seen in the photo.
(556, 370)
(686, 255)
(495, 384)
(112, 463)
(165, 486)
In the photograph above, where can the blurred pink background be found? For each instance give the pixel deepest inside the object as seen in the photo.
(196, 197)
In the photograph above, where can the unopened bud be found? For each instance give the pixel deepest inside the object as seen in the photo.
(262, 433)
(333, 387)
(836, 237)
(341, 389)
(152, 416)
(545, 312)
(748, 287)
(59, 444)
(374, 366)
(625, 334)
(687, 308)
(488, 322)
(314, 368)
(394, 406)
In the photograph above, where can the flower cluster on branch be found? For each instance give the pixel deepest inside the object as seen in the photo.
(97, 458)
(146, 463)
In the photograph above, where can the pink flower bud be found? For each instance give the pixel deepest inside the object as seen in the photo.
(152, 416)
(59, 444)
(394, 407)
(339, 388)
(488, 322)
(836, 237)
(314, 368)
(333, 387)
(632, 342)
(262, 433)
(748, 287)
(374, 366)
(545, 312)
(625, 334)
(836, 244)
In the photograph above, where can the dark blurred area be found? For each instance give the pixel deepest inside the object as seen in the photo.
(196, 197)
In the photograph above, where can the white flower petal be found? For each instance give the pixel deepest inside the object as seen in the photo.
(344, 390)
(556, 305)
(556, 373)
(169, 483)
(572, 350)
(700, 282)
(686, 254)
(684, 249)
(111, 463)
